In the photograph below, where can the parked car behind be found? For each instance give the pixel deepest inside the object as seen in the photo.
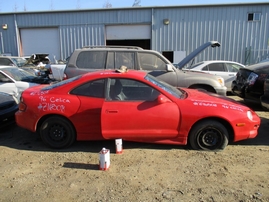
(249, 82)
(89, 59)
(8, 108)
(12, 61)
(265, 96)
(225, 69)
(134, 106)
(14, 80)
(37, 64)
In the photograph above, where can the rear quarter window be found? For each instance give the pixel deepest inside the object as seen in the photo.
(91, 60)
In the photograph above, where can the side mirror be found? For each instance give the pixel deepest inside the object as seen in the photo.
(169, 68)
(161, 99)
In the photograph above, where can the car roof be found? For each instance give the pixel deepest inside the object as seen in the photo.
(113, 47)
(6, 66)
(115, 73)
(7, 56)
(214, 61)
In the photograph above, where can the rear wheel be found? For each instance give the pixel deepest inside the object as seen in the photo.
(209, 135)
(57, 132)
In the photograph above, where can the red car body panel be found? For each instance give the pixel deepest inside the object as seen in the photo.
(168, 121)
(145, 120)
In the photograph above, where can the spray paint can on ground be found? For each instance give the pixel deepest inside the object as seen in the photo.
(118, 143)
(104, 159)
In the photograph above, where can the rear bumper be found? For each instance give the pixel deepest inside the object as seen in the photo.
(25, 121)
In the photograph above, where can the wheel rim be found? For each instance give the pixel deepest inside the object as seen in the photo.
(57, 133)
(209, 138)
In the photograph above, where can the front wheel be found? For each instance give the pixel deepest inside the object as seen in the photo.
(57, 132)
(208, 135)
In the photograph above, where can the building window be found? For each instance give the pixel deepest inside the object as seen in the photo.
(254, 16)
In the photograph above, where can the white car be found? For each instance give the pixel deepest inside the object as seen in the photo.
(226, 69)
(14, 80)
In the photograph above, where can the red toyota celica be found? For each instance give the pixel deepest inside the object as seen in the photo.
(133, 106)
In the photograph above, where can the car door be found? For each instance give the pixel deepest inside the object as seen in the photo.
(138, 114)
(232, 69)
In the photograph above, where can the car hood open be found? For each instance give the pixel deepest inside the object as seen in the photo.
(189, 57)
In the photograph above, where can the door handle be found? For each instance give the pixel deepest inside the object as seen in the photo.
(111, 111)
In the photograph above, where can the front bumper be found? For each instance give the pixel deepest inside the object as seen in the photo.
(221, 91)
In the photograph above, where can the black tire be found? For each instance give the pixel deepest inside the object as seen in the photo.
(208, 135)
(204, 88)
(57, 132)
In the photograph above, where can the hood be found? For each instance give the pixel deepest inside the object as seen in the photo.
(37, 79)
(38, 58)
(189, 57)
(211, 99)
(201, 77)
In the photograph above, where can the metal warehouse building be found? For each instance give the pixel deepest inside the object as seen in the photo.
(175, 31)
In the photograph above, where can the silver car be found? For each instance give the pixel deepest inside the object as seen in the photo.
(225, 69)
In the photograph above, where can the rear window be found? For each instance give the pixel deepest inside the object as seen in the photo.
(91, 60)
(61, 83)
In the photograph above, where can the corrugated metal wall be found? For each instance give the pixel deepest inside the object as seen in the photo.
(189, 27)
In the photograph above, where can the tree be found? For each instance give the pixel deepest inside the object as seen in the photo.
(15, 7)
(78, 4)
(51, 5)
(136, 3)
(107, 4)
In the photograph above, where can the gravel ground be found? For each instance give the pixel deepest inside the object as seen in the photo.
(144, 172)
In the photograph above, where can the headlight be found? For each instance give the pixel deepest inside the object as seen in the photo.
(221, 81)
(249, 115)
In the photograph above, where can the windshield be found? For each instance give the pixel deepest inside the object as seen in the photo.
(195, 65)
(165, 86)
(16, 73)
(19, 61)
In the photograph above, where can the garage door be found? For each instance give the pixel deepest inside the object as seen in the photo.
(129, 35)
(41, 40)
(119, 32)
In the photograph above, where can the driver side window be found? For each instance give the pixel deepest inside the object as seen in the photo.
(131, 90)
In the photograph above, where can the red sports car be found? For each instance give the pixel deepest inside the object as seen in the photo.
(133, 106)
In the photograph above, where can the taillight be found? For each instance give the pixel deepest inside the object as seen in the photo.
(252, 78)
(22, 106)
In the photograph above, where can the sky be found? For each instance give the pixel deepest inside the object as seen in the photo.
(47, 5)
